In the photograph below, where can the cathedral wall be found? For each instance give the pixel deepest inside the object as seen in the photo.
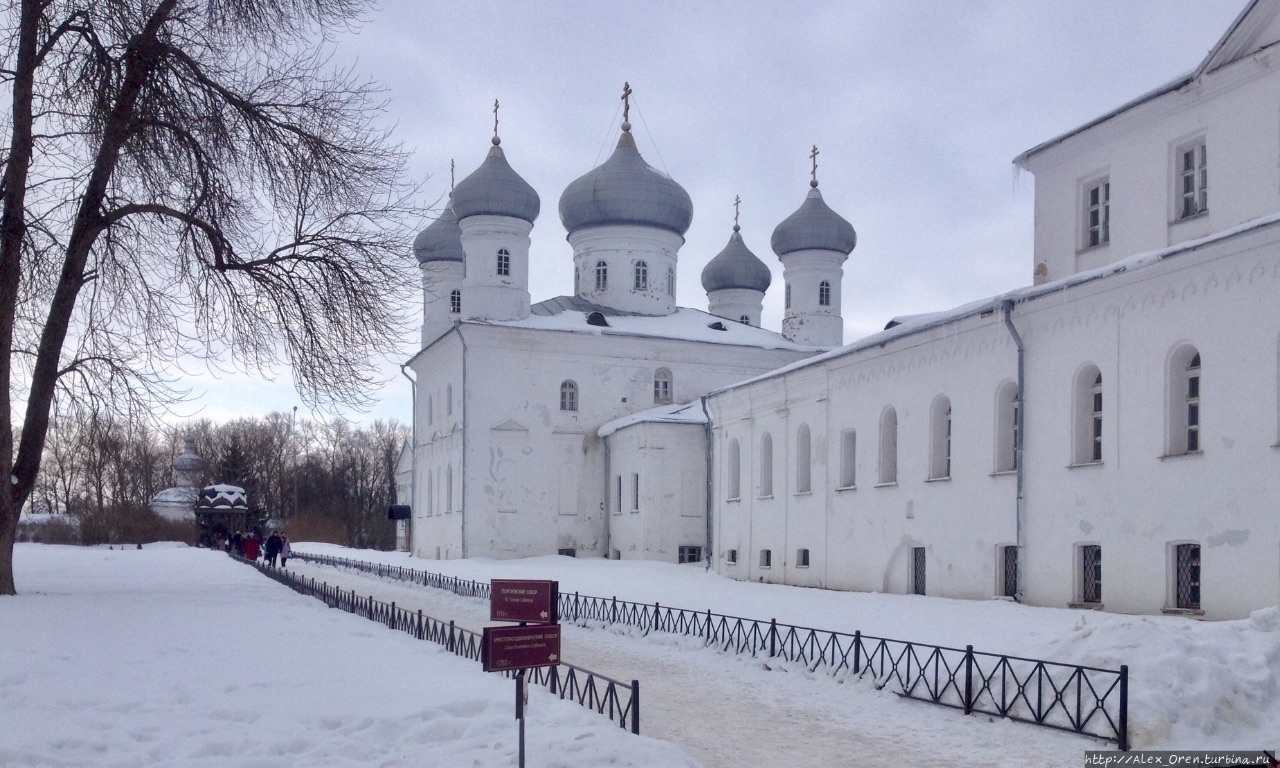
(658, 497)
(436, 530)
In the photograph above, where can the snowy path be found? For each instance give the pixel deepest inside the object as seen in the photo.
(730, 711)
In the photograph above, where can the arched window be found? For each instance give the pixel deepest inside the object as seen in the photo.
(1007, 415)
(1184, 401)
(602, 276)
(824, 294)
(735, 470)
(766, 465)
(662, 387)
(848, 459)
(745, 320)
(1087, 416)
(889, 446)
(671, 282)
(786, 300)
(940, 438)
(569, 396)
(504, 262)
(642, 276)
(803, 470)
(455, 301)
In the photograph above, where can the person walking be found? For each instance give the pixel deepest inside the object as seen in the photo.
(237, 544)
(252, 546)
(273, 548)
(285, 551)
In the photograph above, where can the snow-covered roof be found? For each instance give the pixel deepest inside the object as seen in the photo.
(570, 313)
(909, 325)
(223, 496)
(687, 413)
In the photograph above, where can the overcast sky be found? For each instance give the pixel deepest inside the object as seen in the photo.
(917, 109)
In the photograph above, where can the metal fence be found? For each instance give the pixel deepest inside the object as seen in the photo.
(618, 701)
(1091, 701)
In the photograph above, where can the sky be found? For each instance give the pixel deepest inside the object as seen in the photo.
(917, 108)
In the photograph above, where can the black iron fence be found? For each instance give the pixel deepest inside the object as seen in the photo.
(618, 701)
(1091, 701)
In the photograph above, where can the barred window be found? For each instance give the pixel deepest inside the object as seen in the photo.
(689, 553)
(602, 276)
(824, 294)
(455, 301)
(569, 396)
(662, 387)
(642, 276)
(504, 262)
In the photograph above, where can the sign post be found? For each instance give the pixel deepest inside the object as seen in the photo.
(534, 643)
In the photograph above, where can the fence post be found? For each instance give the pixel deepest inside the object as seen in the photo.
(1123, 726)
(635, 707)
(773, 636)
(656, 608)
(451, 650)
(391, 617)
(575, 606)
(968, 679)
(553, 677)
(614, 615)
(857, 651)
(419, 623)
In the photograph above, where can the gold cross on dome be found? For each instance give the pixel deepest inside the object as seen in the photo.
(495, 118)
(626, 102)
(736, 202)
(814, 156)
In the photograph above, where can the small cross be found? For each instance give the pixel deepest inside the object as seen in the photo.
(736, 201)
(626, 102)
(814, 156)
(495, 118)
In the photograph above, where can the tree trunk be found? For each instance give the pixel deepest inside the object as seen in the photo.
(8, 533)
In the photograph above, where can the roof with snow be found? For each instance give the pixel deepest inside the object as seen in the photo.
(687, 413)
(222, 497)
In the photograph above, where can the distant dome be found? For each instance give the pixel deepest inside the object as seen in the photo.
(494, 189)
(441, 240)
(736, 267)
(626, 190)
(188, 461)
(814, 226)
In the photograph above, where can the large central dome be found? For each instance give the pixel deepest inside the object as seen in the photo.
(626, 190)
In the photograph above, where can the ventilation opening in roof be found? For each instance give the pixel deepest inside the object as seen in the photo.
(717, 326)
(597, 318)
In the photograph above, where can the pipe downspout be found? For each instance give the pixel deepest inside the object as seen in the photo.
(413, 450)
(710, 502)
(1019, 439)
(462, 513)
(608, 509)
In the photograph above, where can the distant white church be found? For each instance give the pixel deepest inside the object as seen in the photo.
(1126, 404)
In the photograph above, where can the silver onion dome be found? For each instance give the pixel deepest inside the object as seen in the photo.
(626, 190)
(494, 189)
(814, 226)
(441, 240)
(736, 267)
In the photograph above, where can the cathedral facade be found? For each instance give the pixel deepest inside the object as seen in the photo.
(1107, 437)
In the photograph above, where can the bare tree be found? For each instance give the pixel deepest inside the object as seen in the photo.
(184, 180)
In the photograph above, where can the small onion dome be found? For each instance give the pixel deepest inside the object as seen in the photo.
(814, 226)
(626, 190)
(736, 267)
(188, 461)
(494, 189)
(441, 240)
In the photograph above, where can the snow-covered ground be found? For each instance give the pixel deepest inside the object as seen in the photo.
(1193, 684)
(171, 656)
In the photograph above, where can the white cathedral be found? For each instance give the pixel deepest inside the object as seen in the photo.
(1127, 403)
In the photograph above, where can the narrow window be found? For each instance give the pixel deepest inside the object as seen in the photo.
(766, 558)
(1007, 427)
(1193, 404)
(786, 302)
(448, 489)
(567, 552)
(940, 446)
(602, 276)
(635, 491)
(766, 465)
(889, 446)
(802, 558)
(431, 493)
(1193, 176)
(689, 553)
(662, 386)
(803, 473)
(569, 396)
(1097, 214)
(745, 320)
(917, 570)
(642, 276)
(1095, 419)
(455, 301)
(735, 470)
(1090, 573)
(848, 458)
(1008, 571)
(671, 284)
(504, 262)
(1183, 389)
(731, 557)
(1187, 577)
(617, 495)
(824, 294)
(1087, 416)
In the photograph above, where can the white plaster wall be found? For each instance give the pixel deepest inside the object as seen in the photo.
(437, 525)
(1236, 109)
(439, 280)
(734, 303)
(621, 247)
(806, 321)
(670, 460)
(486, 295)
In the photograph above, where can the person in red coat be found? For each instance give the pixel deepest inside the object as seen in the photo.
(251, 546)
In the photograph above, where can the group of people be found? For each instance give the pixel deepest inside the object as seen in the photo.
(250, 547)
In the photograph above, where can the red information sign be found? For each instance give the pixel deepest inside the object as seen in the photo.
(506, 648)
(524, 600)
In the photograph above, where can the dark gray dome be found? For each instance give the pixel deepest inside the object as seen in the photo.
(494, 189)
(814, 226)
(188, 461)
(736, 267)
(626, 190)
(441, 240)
